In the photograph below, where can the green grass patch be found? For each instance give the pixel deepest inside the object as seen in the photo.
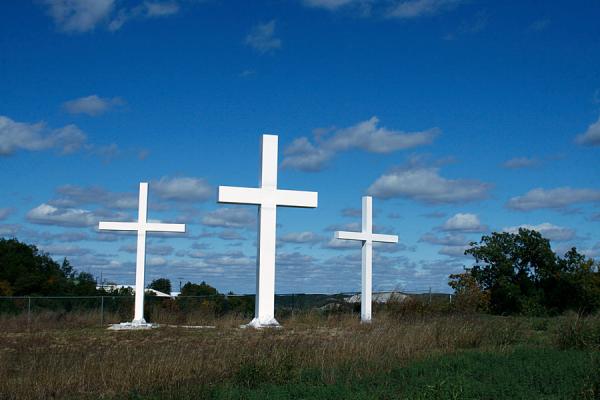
(523, 373)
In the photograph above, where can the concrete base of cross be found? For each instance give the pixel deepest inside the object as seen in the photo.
(256, 324)
(134, 325)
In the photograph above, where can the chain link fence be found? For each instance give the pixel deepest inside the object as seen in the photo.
(19, 312)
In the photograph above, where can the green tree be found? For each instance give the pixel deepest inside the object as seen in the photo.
(161, 284)
(523, 275)
(203, 289)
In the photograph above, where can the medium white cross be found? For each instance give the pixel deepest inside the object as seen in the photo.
(267, 197)
(367, 237)
(141, 226)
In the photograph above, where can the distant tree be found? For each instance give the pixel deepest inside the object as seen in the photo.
(203, 289)
(161, 284)
(522, 274)
(25, 271)
(468, 294)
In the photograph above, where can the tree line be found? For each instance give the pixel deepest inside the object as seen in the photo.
(519, 273)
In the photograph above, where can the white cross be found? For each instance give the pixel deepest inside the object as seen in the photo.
(141, 226)
(267, 197)
(367, 237)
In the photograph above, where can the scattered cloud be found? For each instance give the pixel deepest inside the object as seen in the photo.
(75, 196)
(548, 230)
(352, 212)
(365, 135)
(591, 137)
(558, 198)
(152, 249)
(66, 250)
(15, 136)
(329, 4)
(453, 239)
(183, 189)
(300, 237)
(236, 217)
(421, 8)
(434, 214)
(540, 25)
(454, 251)
(5, 212)
(145, 10)
(305, 156)
(464, 222)
(46, 214)
(92, 105)
(424, 184)
(262, 38)
(79, 15)
(521, 162)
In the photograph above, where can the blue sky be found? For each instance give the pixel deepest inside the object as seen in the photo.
(459, 117)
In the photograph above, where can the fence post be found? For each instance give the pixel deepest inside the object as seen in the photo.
(28, 310)
(101, 311)
(429, 294)
(450, 298)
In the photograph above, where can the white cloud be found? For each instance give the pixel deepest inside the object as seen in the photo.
(548, 230)
(521, 162)
(328, 4)
(426, 185)
(46, 214)
(454, 251)
(262, 37)
(340, 244)
(152, 249)
(591, 137)
(5, 212)
(464, 222)
(66, 250)
(300, 237)
(15, 136)
(305, 156)
(448, 240)
(79, 15)
(148, 9)
(230, 218)
(74, 196)
(157, 9)
(365, 135)
(92, 105)
(553, 198)
(368, 136)
(419, 8)
(183, 189)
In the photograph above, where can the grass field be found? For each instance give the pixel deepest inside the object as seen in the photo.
(313, 357)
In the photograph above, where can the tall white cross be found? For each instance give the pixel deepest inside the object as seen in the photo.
(141, 226)
(267, 197)
(367, 237)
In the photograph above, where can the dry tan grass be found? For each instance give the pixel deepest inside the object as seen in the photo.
(93, 362)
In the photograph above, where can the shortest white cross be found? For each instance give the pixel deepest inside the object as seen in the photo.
(141, 226)
(367, 237)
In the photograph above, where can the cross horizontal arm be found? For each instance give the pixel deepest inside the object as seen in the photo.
(119, 226)
(384, 238)
(297, 198)
(351, 235)
(240, 195)
(160, 227)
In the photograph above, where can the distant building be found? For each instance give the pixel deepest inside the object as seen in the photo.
(111, 287)
(379, 297)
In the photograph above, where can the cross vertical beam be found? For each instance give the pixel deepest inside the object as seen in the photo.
(268, 198)
(367, 237)
(141, 227)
